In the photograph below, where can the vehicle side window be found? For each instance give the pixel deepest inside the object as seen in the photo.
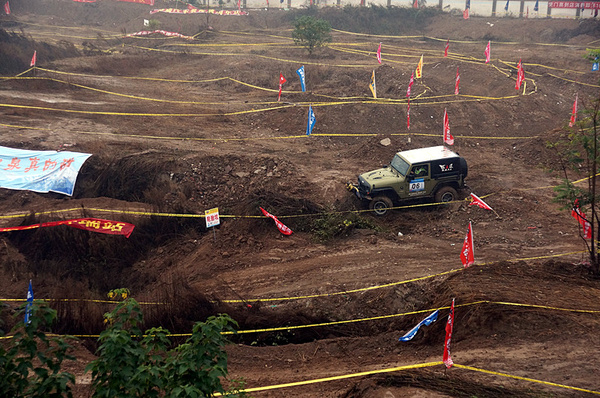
(420, 171)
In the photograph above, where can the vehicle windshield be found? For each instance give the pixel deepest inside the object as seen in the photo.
(400, 165)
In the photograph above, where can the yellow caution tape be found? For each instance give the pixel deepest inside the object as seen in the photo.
(340, 377)
(525, 379)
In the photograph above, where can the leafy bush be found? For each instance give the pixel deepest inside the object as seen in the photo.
(332, 225)
(135, 364)
(30, 364)
(311, 32)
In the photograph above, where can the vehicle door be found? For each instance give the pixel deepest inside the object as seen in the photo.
(419, 180)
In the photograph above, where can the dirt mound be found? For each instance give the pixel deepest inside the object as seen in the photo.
(17, 50)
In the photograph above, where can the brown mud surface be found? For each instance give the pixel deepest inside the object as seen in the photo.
(197, 125)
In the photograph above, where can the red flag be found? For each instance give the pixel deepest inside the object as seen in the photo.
(410, 83)
(416, 4)
(408, 115)
(574, 112)
(282, 228)
(488, 52)
(457, 82)
(477, 201)
(88, 224)
(281, 81)
(448, 139)
(379, 53)
(466, 13)
(467, 255)
(585, 224)
(33, 59)
(7, 8)
(191, 7)
(520, 75)
(449, 325)
(239, 4)
(446, 48)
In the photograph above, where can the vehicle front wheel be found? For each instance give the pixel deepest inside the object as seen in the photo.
(446, 194)
(380, 205)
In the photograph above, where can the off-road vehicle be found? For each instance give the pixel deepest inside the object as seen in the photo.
(434, 173)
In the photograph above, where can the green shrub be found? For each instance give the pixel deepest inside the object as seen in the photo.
(30, 364)
(135, 364)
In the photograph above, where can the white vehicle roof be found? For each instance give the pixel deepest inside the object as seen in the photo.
(427, 154)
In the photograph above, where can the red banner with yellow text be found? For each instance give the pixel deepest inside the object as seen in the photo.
(88, 224)
(149, 2)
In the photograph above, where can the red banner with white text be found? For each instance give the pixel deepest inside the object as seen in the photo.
(595, 5)
(88, 224)
(198, 11)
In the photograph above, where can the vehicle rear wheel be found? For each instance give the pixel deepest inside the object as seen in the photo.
(446, 194)
(380, 205)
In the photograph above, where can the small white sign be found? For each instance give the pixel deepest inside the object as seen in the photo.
(212, 217)
(146, 22)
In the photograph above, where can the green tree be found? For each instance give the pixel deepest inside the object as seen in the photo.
(580, 156)
(311, 32)
(31, 362)
(135, 364)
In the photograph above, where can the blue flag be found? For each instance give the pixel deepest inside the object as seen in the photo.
(427, 321)
(311, 120)
(29, 304)
(506, 6)
(537, 5)
(300, 73)
(595, 65)
(468, 4)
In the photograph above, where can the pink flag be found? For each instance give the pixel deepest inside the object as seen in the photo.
(281, 81)
(574, 112)
(408, 115)
(580, 217)
(477, 201)
(520, 75)
(191, 7)
(466, 13)
(446, 48)
(457, 82)
(448, 139)
(449, 325)
(33, 59)
(467, 255)
(7, 8)
(488, 53)
(239, 4)
(416, 4)
(410, 83)
(379, 53)
(282, 228)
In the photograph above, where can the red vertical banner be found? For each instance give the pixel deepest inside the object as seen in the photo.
(456, 82)
(520, 75)
(449, 325)
(488, 52)
(33, 59)
(574, 112)
(448, 138)
(7, 8)
(408, 115)
(467, 255)
(379, 53)
(446, 48)
(281, 81)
